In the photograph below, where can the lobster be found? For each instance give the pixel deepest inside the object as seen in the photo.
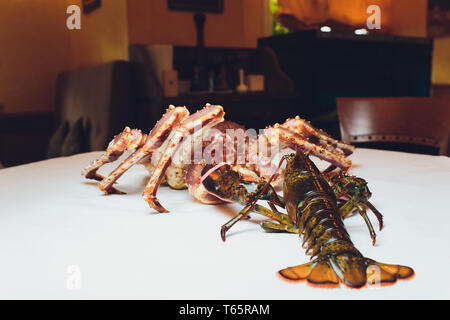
(312, 208)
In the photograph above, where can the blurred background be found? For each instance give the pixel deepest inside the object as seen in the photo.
(65, 91)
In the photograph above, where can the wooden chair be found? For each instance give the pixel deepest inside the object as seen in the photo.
(418, 121)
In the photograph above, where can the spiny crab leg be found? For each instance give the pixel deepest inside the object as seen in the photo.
(127, 140)
(305, 129)
(209, 116)
(294, 140)
(172, 118)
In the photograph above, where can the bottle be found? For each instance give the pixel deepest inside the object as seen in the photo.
(211, 81)
(242, 87)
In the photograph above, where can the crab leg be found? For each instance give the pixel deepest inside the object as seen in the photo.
(127, 140)
(304, 128)
(294, 140)
(172, 118)
(209, 116)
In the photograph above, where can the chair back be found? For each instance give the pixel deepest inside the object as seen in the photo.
(421, 121)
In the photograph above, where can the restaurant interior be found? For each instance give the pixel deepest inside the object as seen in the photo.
(127, 60)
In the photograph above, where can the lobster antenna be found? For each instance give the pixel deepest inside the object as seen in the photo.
(247, 210)
(264, 189)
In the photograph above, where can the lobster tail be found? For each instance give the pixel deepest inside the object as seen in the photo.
(350, 269)
(386, 274)
(354, 272)
(316, 273)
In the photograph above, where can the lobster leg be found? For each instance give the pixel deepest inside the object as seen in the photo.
(209, 116)
(243, 213)
(172, 118)
(282, 218)
(276, 227)
(363, 214)
(355, 203)
(127, 140)
(349, 206)
(376, 213)
(352, 193)
(273, 214)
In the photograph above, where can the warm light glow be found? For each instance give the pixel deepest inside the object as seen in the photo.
(325, 29)
(361, 32)
(312, 14)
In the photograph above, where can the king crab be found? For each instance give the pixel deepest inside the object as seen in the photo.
(168, 139)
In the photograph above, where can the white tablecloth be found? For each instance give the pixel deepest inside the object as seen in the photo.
(60, 237)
